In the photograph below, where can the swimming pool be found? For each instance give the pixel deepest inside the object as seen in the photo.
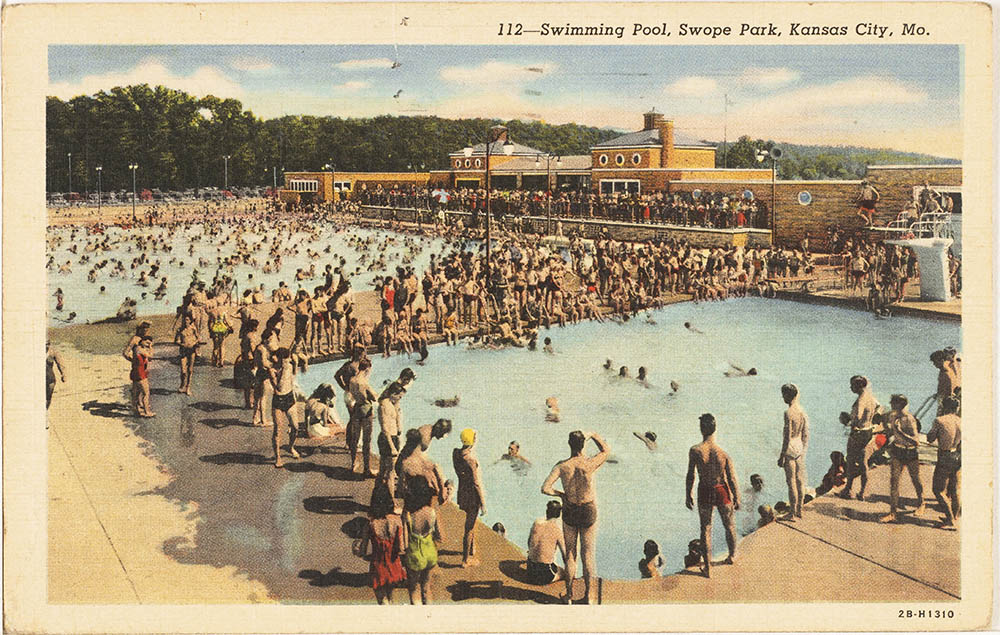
(642, 495)
(84, 298)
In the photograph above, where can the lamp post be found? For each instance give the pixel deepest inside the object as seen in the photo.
(69, 162)
(99, 170)
(508, 148)
(548, 186)
(133, 167)
(225, 187)
(774, 154)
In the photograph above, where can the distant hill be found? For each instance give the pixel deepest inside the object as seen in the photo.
(820, 161)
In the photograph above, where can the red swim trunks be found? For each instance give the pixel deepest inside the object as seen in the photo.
(713, 495)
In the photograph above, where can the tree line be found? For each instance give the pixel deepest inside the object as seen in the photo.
(179, 141)
(816, 162)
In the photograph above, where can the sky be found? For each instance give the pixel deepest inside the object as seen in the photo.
(905, 97)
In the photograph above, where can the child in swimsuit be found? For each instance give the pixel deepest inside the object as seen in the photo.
(421, 549)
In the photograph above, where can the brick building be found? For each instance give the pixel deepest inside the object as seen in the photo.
(654, 159)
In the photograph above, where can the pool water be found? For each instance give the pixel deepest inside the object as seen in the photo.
(83, 297)
(641, 496)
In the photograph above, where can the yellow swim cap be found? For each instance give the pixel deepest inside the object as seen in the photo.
(468, 436)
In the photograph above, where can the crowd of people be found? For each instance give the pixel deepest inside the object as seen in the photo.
(499, 299)
(698, 208)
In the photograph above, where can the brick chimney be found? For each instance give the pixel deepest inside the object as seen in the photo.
(666, 127)
(651, 120)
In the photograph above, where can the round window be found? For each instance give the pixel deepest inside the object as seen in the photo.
(479, 163)
(620, 159)
(458, 163)
(603, 159)
(805, 197)
(747, 195)
(696, 194)
(468, 162)
(636, 159)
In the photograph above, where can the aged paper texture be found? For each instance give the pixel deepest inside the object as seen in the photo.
(340, 303)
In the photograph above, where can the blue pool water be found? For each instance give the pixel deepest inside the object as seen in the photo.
(642, 495)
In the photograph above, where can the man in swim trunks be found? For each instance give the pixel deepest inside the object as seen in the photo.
(579, 505)
(859, 445)
(947, 431)
(717, 489)
(546, 536)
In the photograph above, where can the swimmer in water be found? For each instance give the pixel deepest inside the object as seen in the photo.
(650, 320)
(649, 438)
(552, 410)
(447, 403)
(642, 378)
(513, 455)
(623, 373)
(693, 329)
(608, 365)
(674, 386)
(548, 346)
(739, 372)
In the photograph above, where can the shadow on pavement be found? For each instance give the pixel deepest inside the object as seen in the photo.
(333, 505)
(219, 424)
(108, 409)
(335, 577)
(235, 458)
(354, 527)
(212, 406)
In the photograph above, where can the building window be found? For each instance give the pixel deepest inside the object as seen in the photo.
(805, 197)
(468, 162)
(603, 159)
(630, 186)
(342, 186)
(620, 159)
(748, 195)
(636, 159)
(479, 163)
(303, 185)
(458, 163)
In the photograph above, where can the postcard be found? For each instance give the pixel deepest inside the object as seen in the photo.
(538, 316)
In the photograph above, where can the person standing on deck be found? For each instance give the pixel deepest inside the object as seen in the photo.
(717, 489)
(859, 443)
(579, 500)
(795, 441)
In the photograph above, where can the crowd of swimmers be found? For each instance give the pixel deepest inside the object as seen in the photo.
(528, 287)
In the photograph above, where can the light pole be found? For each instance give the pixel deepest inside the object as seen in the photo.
(492, 134)
(225, 187)
(333, 183)
(548, 186)
(133, 167)
(69, 161)
(774, 154)
(99, 170)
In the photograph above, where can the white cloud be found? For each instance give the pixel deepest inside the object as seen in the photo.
(693, 86)
(769, 77)
(375, 62)
(496, 73)
(352, 86)
(207, 80)
(250, 64)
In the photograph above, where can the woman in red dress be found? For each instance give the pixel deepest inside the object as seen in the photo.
(386, 534)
